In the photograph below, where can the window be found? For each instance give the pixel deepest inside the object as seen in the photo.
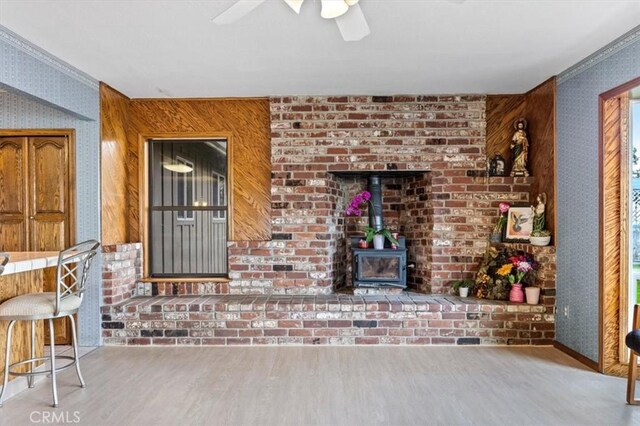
(187, 235)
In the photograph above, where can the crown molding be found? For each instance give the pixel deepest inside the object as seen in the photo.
(13, 39)
(612, 48)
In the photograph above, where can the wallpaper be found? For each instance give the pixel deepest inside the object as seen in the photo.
(577, 208)
(45, 93)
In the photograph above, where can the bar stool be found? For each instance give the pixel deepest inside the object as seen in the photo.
(4, 259)
(71, 278)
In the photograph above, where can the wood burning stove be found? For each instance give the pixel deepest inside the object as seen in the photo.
(379, 268)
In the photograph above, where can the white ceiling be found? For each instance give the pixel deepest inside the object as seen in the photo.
(156, 48)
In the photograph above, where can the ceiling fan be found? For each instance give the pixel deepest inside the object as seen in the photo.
(352, 25)
(347, 13)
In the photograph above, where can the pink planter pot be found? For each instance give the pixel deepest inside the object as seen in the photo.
(516, 294)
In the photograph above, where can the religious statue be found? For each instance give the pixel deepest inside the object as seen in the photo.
(538, 212)
(519, 149)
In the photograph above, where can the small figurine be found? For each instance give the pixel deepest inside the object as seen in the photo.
(519, 148)
(538, 212)
(496, 165)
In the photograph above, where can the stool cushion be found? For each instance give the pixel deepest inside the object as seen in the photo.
(37, 304)
(633, 340)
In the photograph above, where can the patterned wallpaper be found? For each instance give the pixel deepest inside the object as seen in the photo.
(44, 92)
(577, 162)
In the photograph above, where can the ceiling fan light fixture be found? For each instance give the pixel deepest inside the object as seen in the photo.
(351, 2)
(178, 167)
(333, 8)
(296, 5)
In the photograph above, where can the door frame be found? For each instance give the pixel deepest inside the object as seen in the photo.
(613, 236)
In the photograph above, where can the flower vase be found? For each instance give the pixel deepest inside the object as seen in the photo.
(378, 242)
(516, 294)
(533, 295)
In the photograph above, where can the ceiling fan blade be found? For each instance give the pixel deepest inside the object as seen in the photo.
(295, 5)
(237, 11)
(353, 25)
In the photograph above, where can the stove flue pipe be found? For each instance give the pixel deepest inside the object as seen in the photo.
(376, 219)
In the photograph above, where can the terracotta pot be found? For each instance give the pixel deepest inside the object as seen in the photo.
(378, 242)
(516, 294)
(533, 295)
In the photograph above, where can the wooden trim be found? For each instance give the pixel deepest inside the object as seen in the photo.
(611, 185)
(102, 83)
(185, 280)
(38, 132)
(143, 183)
(577, 356)
(625, 162)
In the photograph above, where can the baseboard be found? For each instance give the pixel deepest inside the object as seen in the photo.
(575, 355)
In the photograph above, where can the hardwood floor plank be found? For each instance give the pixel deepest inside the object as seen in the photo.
(331, 386)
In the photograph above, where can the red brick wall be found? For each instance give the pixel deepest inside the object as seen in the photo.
(121, 268)
(447, 216)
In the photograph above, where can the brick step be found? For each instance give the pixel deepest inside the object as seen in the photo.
(409, 319)
(146, 289)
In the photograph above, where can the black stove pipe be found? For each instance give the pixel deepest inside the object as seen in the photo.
(376, 220)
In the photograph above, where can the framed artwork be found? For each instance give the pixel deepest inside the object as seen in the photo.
(519, 225)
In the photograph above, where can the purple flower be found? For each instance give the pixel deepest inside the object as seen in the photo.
(524, 266)
(366, 195)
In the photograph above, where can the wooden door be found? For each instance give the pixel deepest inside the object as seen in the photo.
(14, 225)
(49, 208)
(36, 207)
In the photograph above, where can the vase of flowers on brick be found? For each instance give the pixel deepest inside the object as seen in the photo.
(496, 234)
(371, 234)
(518, 269)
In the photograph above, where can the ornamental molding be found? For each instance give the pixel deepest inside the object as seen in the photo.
(9, 37)
(612, 48)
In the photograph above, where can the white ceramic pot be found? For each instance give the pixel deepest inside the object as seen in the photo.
(533, 295)
(464, 291)
(540, 241)
(378, 242)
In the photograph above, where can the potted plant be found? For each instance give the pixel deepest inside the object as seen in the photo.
(539, 235)
(371, 234)
(378, 236)
(518, 270)
(462, 287)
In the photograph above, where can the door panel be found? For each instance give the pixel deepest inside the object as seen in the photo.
(49, 208)
(13, 190)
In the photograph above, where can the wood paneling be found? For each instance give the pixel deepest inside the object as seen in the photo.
(11, 286)
(540, 112)
(246, 125)
(114, 116)
(612, 152)
(538, 107)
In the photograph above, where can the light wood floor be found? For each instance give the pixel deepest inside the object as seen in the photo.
(330, 386)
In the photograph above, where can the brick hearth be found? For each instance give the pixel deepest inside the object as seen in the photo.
(408, 319)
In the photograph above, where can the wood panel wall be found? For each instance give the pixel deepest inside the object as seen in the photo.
(247, 121)
(114, 117)
(538, 107)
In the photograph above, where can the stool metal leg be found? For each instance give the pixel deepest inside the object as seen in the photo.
(7, 356)
(30, 379)
(52, 345)
(75, 350)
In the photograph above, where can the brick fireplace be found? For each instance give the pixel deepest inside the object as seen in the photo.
(283, 291)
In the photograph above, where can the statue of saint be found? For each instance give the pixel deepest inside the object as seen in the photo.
(538, 212)
(519, 149)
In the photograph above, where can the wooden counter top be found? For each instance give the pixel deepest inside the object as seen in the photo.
(22, 261)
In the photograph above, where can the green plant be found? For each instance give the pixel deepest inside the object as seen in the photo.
(457, 285)
(541, 233)
(370, 232)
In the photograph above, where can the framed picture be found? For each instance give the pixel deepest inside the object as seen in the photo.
(519, 225)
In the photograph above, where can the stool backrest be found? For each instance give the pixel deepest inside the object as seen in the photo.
(4, 259)
(73, 269)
